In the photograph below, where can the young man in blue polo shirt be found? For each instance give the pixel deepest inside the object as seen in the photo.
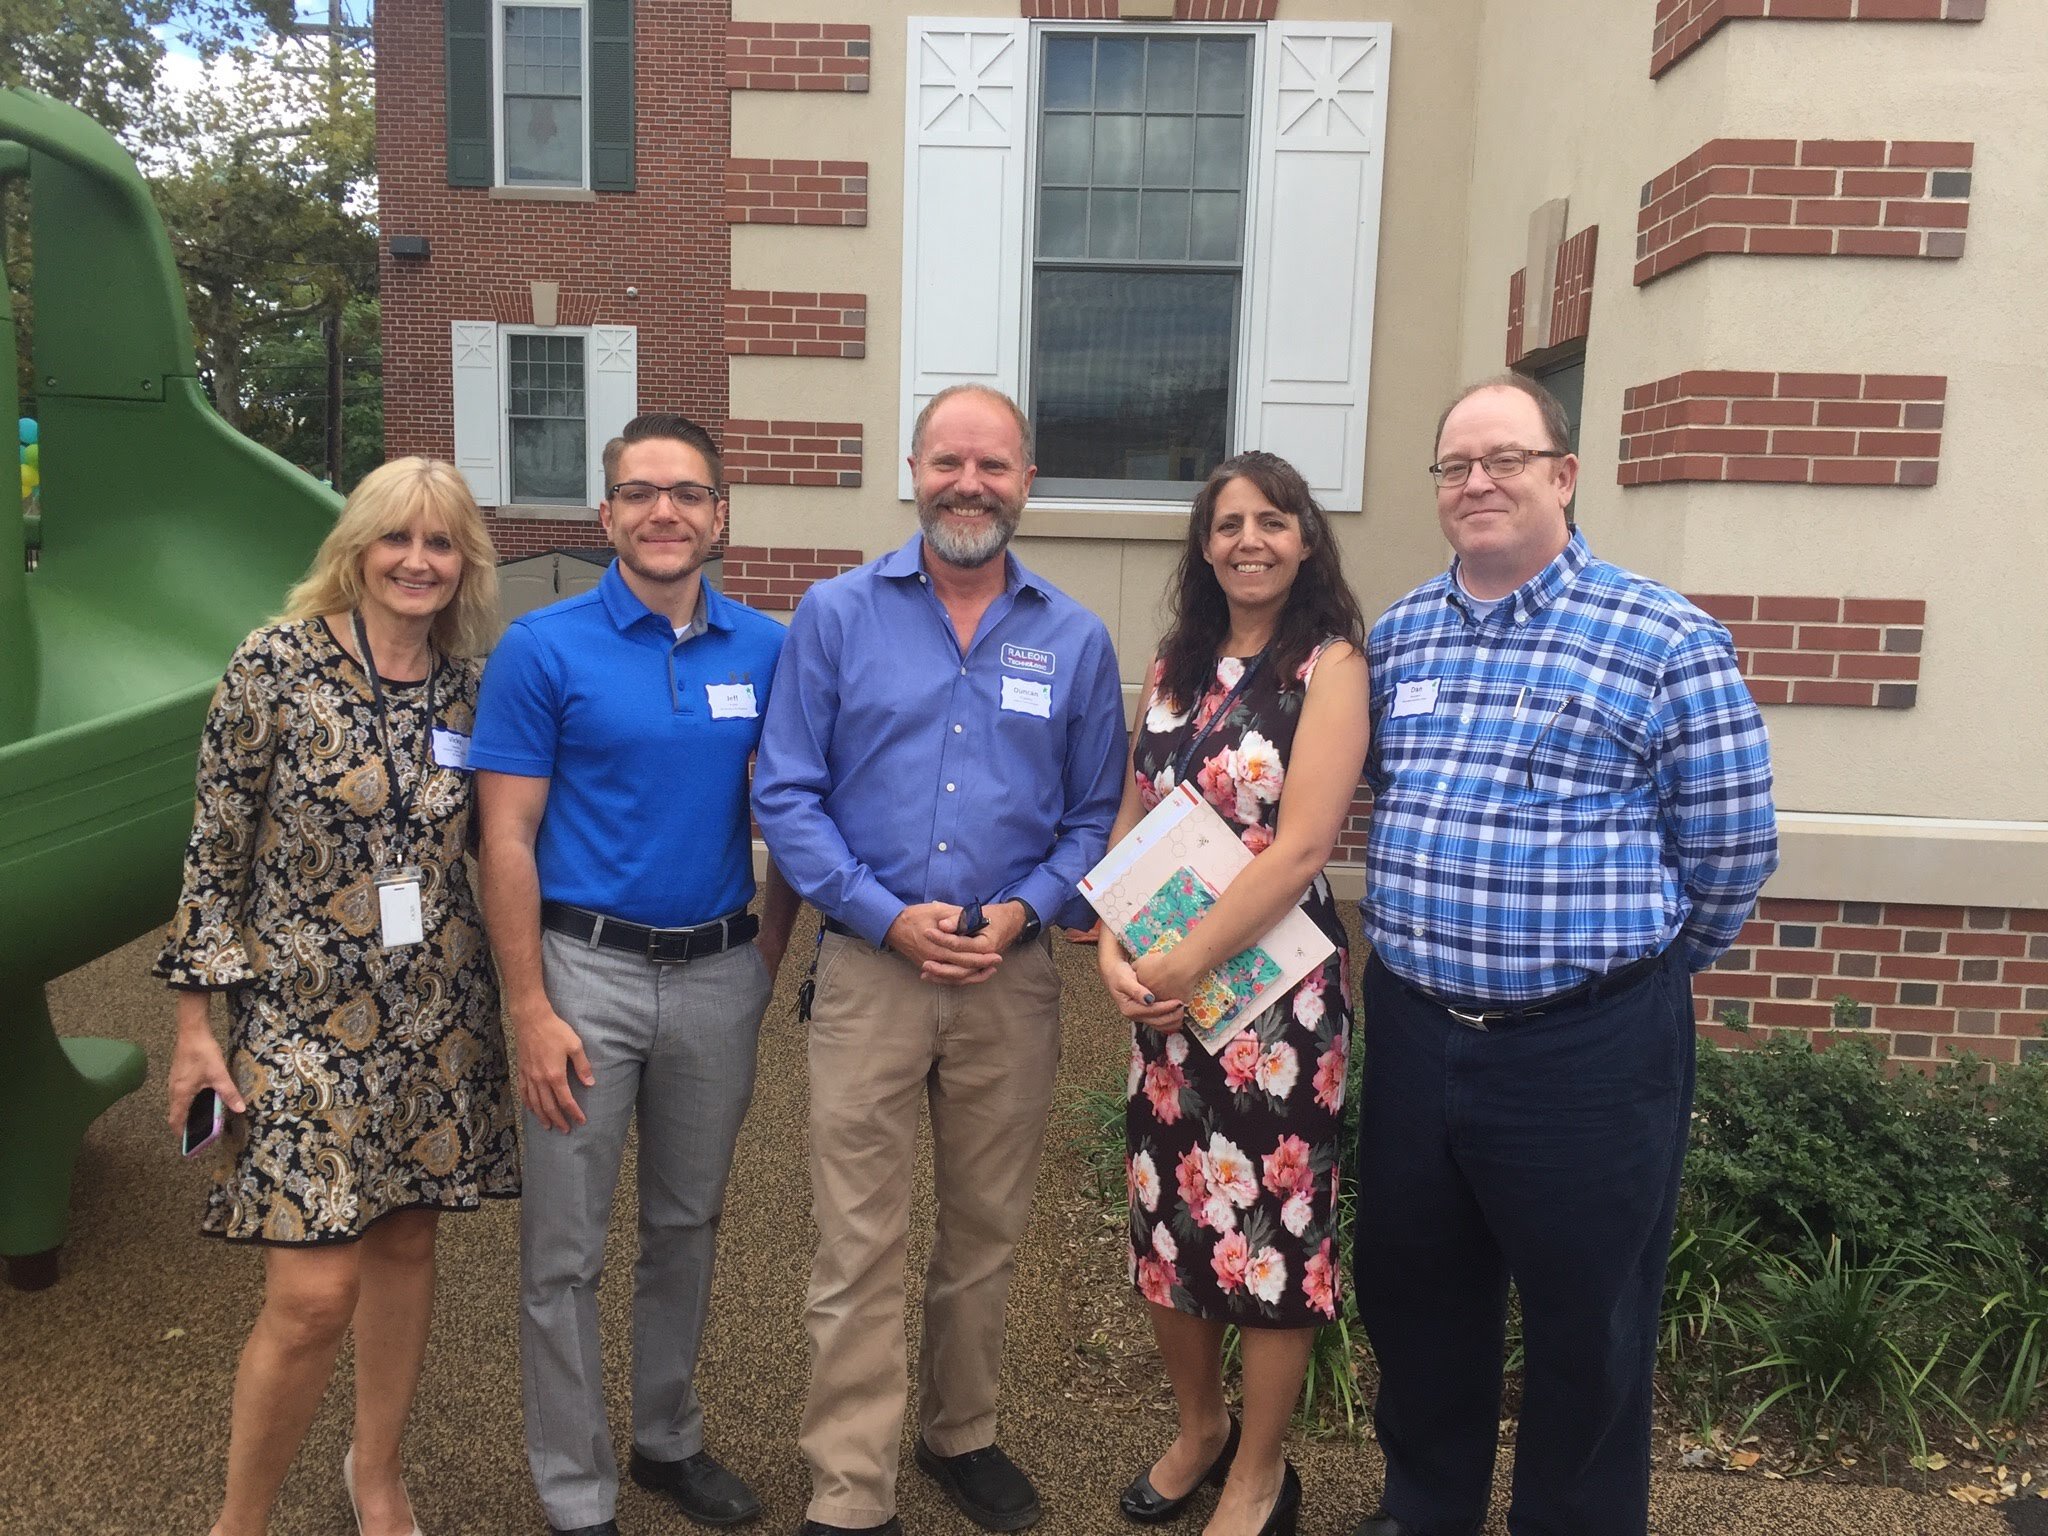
(612, 740)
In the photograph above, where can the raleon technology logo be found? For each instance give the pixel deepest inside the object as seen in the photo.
(1022, 658)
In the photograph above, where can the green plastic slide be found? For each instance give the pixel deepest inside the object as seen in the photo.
(163, 537)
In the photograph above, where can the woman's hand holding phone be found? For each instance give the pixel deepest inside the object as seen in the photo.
(198, 1069)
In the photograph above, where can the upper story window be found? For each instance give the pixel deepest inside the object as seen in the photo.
(541, 95)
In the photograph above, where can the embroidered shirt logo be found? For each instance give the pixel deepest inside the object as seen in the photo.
(1023, 658)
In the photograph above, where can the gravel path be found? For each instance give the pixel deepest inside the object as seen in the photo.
(117, 1379)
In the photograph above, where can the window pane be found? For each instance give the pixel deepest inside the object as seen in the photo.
(543, 139)
(1119, 74)
(1116, 151)
(1063, 224)
(545, 411)
(1113, 224)
(1218, 225)
(1170, 75)
(1163, 226)
(1069, 69)
(1063, 159)
(1225, 63)
(1131, 373)
(1169, 151)
(1219, 152)
(547, 461)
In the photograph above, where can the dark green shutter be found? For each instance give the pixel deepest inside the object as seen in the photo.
(611, 95)
(468, 27)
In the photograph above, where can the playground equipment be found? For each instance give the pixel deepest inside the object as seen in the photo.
(163, 538)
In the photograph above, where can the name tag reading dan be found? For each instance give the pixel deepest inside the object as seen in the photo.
(1416, 698)
(1027, 698)
(731, 701)
(451, 749)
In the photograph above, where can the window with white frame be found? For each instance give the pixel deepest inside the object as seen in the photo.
(535, 405)
(1183, 227)
(542, 100)
(547, 428)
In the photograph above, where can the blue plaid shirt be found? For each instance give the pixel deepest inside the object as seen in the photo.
(1570, 783)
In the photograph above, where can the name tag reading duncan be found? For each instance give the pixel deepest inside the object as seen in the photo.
(399, 921)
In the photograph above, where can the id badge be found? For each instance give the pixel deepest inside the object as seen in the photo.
(398, 909)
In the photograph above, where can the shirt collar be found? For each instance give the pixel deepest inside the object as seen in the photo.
(908, 560)
(1535, 594)
(625, 609)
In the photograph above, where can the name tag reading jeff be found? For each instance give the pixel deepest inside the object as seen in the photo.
(731, 701)
(1025, 697)
(451, 749)
(1416, 698)
(399, 921)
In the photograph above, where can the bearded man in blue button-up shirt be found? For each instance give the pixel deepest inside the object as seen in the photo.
(939, 766)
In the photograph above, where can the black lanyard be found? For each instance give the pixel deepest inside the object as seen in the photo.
(402, 802)
(1186, 755)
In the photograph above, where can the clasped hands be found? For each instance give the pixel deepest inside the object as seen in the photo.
(927, 936)
(1150, 989)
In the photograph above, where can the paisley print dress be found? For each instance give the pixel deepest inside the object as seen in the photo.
(376, 1078)
(1233, 1158)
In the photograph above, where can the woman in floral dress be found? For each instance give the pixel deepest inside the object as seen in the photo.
(1259, 697)
(365, 1065)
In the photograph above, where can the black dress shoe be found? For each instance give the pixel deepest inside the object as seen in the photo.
(889, 1527)
(704, 1489)
(1380, 1523)
(985, 1486)
(602, 1528)
(1286, 1511)
(1148, 1506)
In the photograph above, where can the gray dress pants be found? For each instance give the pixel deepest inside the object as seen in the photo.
(673, 1044)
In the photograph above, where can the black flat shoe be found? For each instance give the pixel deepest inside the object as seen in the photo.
(985, 1486)
(1286, 1511)
(1148, 1506)
(704, 1489)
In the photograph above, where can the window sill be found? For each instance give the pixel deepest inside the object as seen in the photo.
(546, 513)
(1103, 520)
(545, 194)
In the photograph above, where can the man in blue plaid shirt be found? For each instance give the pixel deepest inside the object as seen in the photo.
(1572, 814)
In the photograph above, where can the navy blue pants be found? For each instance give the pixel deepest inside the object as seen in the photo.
(1547, 1150)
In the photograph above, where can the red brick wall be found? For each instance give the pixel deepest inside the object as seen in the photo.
(666, 239)
(1682, 25)
(1351, 839)
(1789, 428)
(1922, 979)
(1812, 197)
(774, 578)
(796, 191)
(1070, 10)
(792, 452)
(1183, 10)
(1825, 650)
(1571, 295)
(765, 323)
(518, 537)
(796, 56)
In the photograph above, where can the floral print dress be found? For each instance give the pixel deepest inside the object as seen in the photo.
(376, 1078)
(1233, 1158)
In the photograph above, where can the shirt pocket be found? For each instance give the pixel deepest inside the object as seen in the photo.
(1580, 752)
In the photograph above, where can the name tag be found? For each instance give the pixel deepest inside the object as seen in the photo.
(1027, 698)
(451, 749)
(731, 701)
(1028, 658)
(1416, 698)
(398, 910)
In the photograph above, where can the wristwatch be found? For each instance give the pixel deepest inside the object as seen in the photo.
(1032, 926)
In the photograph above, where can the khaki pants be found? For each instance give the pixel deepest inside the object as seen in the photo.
(881, 1043)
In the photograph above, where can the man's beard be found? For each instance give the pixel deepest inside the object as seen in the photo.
(968, 548)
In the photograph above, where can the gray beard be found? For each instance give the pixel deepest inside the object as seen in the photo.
(966, 550)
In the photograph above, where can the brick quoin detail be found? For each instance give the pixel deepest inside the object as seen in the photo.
(1785, 428)
(776, 578)
(1183, 10)
(1571, 296)
(1682, 25)
(761, 323)
(1861, 651)
(796, 56)
(793, 453)
(1923, 979)
(1806, 197)
(796, 191)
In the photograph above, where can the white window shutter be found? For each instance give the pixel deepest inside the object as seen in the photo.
(474, 352)
(612, 393)
(1315, 253)
(966, 118)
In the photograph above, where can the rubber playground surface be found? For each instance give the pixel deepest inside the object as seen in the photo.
(118, 1379)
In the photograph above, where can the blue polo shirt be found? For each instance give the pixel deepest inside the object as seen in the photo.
(645, 739)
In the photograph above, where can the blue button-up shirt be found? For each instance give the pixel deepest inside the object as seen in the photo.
(1568, 783)
(896, 770)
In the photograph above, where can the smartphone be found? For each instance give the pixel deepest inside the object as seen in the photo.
(204, 1121)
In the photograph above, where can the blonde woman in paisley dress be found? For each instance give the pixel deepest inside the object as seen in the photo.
(1258, 698)
(365, 1065)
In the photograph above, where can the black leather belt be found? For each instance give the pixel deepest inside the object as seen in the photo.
(1596, 989)
(663, 946)
(833, 925)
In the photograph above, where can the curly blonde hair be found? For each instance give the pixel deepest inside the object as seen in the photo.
(393, 496)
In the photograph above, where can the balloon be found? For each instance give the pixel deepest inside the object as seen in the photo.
(28, 429)
(29, 480)
(32, 455)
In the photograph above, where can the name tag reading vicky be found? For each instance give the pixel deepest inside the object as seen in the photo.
(731, 701)
(451, 749)
(1416, 698)
(1025, 697)
(398, 909)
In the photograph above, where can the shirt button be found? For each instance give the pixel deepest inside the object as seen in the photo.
(1417, 930)
(963, 671)
(1466, 717)
(942, 847)
(956, 728)
(1443, 783)
(1422, 861)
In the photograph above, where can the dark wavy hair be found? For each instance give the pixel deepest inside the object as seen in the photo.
(1319, 604)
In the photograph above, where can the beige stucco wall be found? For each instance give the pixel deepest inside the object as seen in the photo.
(1387, 548)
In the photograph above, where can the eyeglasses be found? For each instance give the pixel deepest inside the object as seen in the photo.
(1503, 465)
(639, 495)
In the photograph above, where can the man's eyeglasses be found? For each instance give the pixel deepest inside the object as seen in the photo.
(639, 495)
(1504, 465)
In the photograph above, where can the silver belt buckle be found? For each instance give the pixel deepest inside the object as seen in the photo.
(1469, 1020)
